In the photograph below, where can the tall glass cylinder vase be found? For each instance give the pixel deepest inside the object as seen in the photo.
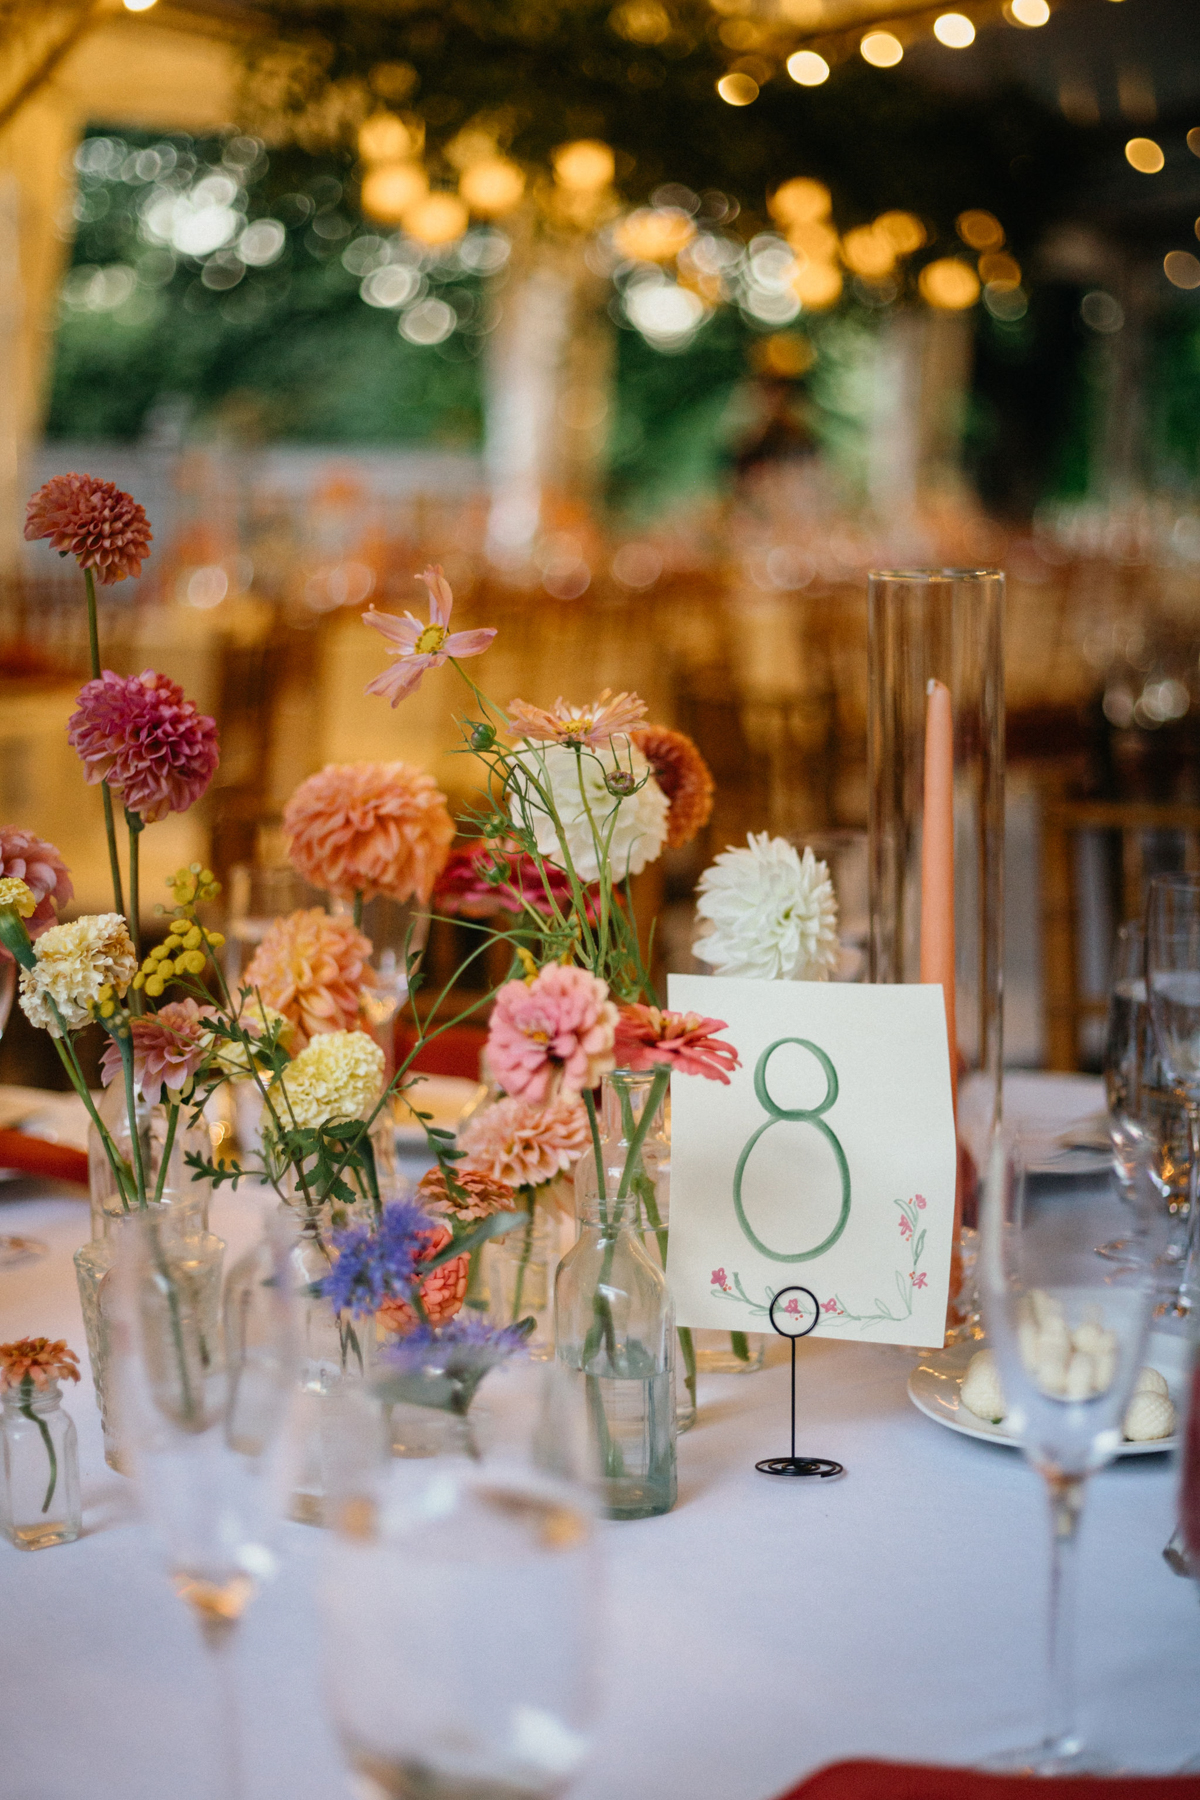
(942, 626)
(172, 1185)
(624, 1097)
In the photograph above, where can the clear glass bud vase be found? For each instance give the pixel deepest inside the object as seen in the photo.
(172, 1185)
(624, 1099)
(332, 1349)
(39, 1495)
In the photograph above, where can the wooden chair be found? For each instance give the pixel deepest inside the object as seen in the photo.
(1135, 850)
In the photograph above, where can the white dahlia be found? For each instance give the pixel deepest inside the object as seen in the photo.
(639, 830)
(771, 913)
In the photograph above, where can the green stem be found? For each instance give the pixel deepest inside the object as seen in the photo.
(598, 1153)
(121, 1171)
(110, 832)
(27, 1412)
(125, 1046)
(688, 1346)
(740, 1345)
(135, 905)
(168, 1146)
(358, 909)
(523, 1265)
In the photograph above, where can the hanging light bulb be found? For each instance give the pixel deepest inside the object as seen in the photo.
(391, 190)
(492, 186)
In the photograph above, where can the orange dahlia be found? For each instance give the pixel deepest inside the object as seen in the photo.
(485, 1195)
(684, 777)
(369, 828)
(312, 968)
(442, 1292)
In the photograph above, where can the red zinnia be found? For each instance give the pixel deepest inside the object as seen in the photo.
(143, 736)
(463, 889)
(647, 1036)
(93, 521)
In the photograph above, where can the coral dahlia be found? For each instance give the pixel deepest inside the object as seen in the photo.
(369, 828)
(312, 968)
(93, 521)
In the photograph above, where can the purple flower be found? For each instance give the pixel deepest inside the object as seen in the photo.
(376, 1263)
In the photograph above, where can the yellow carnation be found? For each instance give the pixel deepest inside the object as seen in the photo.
(74, 962)
(339, 1075)
(15, 893)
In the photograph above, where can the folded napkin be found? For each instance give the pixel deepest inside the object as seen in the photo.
(912, 1781)
(37, 1156)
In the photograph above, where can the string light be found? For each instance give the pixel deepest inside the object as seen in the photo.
(1027, 12)
(492, 186)
(881, 49)
(954, 30)
(392, 189)
(904, 229)
(800, 201)
(807, 68)
(586, 166)
(438, 219)
(738, 89)
(1144, 155)
(981, 230)
(948, 284)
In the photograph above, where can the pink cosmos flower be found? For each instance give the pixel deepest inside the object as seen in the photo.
(38, 864)
(589, 726)
(646, 1036)
(551, 1035)
(419, 647)
(93, 521)
(170, 1048)
(143, 736)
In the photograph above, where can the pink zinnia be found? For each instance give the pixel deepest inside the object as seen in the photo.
(442, 1292)
(552, 1034)
(170, 1048)
(38, 864)
(525, 1145)
(420, 646)
(144, 737)
(93, 521)
(647, 1036)
(462, 888)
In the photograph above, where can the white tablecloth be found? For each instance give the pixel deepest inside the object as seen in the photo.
(760, 1630)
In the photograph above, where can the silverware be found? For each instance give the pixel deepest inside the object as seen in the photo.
(1175, 1554)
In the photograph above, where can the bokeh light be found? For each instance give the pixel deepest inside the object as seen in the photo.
(1182, 269)
(438, 219)
(800, 201)
(1028, 12)
(817, 285)
(981, 230)
(584, 166)
(881, 49)
(949, 284)
(807, 68)
(391, 190)
(738, 89)
(954, 30)
(654, 233)
(492, 186)
(1144, 155)
(904, 229)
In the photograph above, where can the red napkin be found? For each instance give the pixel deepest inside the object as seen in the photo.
(455, 1052)
(912, 1781)
(37, 1156)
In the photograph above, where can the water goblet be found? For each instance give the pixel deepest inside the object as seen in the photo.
(1068, 1334)
(197, 1425)
(1173, 997)
(460, 1621)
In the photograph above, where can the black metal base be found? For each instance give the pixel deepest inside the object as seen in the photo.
(800, 1465)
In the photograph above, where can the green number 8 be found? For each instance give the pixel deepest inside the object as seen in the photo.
(799, 1115)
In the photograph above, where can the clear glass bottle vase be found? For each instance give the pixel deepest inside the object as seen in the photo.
(39, 1494)
(332, 1349)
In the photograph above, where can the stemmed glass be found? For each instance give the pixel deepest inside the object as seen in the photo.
(460, 1619)
(13, 1249)
(198, 1417)
(1068, 1333)
(1173, 996)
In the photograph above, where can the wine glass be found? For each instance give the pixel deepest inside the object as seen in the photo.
(459, 1607)
(1068, 1334)
(1173, 996)
(198, 1417)
(13, 1249)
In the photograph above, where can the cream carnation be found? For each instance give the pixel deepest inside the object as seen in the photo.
(639, 831)
(772, 914)
(525, 1145)
(74, 963)
(338, 1076)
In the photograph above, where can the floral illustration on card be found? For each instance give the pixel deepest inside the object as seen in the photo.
(909, 1278)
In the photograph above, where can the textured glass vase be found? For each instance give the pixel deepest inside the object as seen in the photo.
(520, 1277)
(95, 1260)
(624, 1098)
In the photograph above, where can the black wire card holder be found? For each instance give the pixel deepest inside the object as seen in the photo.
(797, 1315)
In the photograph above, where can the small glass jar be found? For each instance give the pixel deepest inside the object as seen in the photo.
(520, 1277)
(39, 1501)
(614, 1335)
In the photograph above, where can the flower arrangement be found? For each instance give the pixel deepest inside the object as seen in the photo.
(27, 1367)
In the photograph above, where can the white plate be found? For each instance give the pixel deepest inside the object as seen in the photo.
(447, 1097)
(933, 1388)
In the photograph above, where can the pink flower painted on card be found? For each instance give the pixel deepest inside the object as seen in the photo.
(905, 1227)
(919, 1201)
(918, 1281)
(720, 1280)
(830, 1306)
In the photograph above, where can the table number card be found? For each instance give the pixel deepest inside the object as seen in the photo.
(829, 1161)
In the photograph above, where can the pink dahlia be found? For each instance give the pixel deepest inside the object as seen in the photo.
(487, 878)
(170, 1047)
(551, 1035)
(419, 646)
(442, 1292)
(648, 1037)
(522, 1144)
(93, 521)
(144, 737)
(369, 828)
(38, 864)
(312, 969)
